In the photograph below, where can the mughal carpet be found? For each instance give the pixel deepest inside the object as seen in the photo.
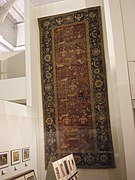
(74, 89)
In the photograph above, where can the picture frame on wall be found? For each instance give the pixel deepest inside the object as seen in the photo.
(30, 176)
(4, 159)
(73, 163)
(15, 157)
(57, 170)
(26, 154)
(66, 167)
(62, 169)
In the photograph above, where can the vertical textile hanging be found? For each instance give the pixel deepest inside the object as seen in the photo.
(74, 89)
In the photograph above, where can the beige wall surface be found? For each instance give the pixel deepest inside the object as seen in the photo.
(16, 66)
(128, 14)
(17, 131)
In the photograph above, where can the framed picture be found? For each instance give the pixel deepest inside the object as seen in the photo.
(4, 159)
(66, 167)
(73, 163)
(15, 157)
(57, 170)
(26, 154)
(30, 176)
(62, 169)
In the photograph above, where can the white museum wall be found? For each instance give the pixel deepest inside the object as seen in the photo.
(32, 47)
(16, 66)
(18, 127)
(8, 31)
(17, 131)
(117, 104)
(12, 64)
(13, 89)
(124, 95)
(129, 26)
(12, 75)
(20, 34)
(131, 66)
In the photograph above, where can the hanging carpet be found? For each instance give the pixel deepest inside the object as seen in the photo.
(74, 89)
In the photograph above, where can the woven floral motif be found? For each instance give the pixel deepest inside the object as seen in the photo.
(74, 87)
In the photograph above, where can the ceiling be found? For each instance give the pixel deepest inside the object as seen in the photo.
(16, 13)
(41, 2)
